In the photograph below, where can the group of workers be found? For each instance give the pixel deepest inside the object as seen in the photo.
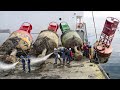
(66, 55)
(88, 53)
(87, 50)
(23, 60)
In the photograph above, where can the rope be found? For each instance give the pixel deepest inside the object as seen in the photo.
(94, 25)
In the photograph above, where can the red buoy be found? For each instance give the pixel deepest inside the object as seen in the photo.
(53, 26)
(26, 27)
(24, 34)
(109, 31)
(103, 46)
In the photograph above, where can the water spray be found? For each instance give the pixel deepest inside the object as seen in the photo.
(4, 66)
(39, 60)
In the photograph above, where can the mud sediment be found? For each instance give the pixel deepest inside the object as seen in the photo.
(7, 55)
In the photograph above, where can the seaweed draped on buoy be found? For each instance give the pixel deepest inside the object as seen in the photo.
(47, 39)
(70, 39)
(19, 40)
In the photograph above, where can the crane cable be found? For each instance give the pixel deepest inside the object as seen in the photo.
(94, 25)
(96, 38)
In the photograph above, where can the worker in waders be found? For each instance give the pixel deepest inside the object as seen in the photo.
(89, 50)
(96, 59)
(86, 50)
(69, 57)
(63, 55)
(28, 62)
(57, 56)
(23, 62)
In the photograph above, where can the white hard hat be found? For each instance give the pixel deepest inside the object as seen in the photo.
(58, 56)
(55, 49)
(69, 48)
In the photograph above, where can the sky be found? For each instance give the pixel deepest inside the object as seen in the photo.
(99, 17)
(10, 18)
(102, 14)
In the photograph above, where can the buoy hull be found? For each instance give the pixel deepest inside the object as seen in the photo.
(25, 39)
(103, 53)
(46, 39)
(70, 39)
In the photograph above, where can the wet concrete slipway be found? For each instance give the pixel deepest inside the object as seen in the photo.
(83, 69)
